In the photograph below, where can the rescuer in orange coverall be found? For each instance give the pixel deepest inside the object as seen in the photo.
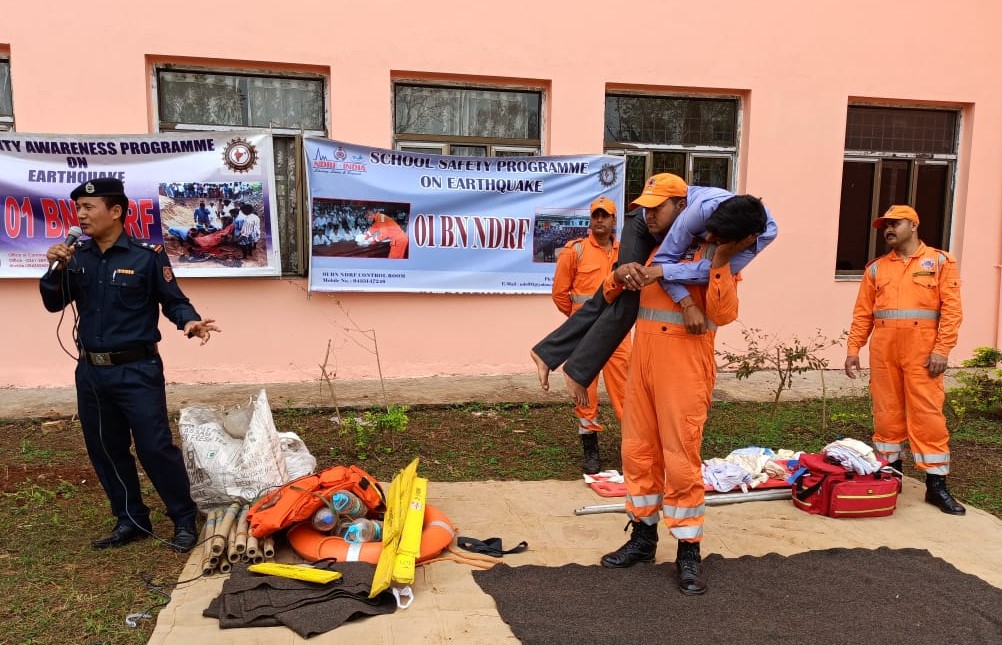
(385, 228)
(582, 266)
(671, 378)
(910, 300)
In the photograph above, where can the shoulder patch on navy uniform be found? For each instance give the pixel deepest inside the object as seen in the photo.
(156, 248)
(168, 274)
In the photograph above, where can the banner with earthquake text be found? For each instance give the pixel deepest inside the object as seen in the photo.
(207, 197)
(389, 220)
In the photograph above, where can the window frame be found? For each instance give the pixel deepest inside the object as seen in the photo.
(7, 122)
(443, 143)
(915, 161)
(733, 153)
(299, 196)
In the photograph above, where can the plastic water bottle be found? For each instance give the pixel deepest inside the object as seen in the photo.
(348, 504)
(325, 520)
(363, 530)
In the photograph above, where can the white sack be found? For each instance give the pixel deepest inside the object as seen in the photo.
(232, 455)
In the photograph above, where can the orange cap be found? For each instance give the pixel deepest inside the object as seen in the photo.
(896, 212)
(659, 188)
(604, 204)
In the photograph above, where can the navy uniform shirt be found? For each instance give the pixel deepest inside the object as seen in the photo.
(117, 294)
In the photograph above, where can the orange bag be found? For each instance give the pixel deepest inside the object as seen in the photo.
(299, 499)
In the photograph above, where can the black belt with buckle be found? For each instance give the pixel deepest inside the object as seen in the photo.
(120, 357)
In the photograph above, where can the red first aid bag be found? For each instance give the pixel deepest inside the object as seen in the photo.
(827, 488)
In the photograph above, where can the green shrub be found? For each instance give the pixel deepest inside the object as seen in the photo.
(980, 390)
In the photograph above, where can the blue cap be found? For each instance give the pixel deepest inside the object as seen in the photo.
(99, 187)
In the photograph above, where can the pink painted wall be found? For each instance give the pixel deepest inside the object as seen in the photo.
(85, 68)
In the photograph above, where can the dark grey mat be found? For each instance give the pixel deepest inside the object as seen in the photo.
(251, 600)
(836, 596)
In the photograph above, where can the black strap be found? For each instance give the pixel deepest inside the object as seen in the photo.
(807, 492)
(490, 546)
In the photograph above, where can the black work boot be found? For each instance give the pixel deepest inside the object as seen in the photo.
(590, 464)
(689, 565)
(185, 537)
(937, 495)
(899, 466)
(641, 546)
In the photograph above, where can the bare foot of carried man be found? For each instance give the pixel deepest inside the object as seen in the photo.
(542, 371)
(578, 392)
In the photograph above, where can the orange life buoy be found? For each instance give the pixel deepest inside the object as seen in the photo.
(312, 545)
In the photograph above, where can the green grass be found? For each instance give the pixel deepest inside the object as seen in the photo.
(56, 589)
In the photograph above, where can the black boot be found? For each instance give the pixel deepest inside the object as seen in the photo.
(641, 546)
(898, 466)
(937, 495)
(185, 537)
(591, 463)
(690, 569)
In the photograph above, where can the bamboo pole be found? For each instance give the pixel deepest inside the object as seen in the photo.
(208, 531)
(241, 533)
(229, 517)
(268, 548)
(223, 529)
(253, 547)
(231, 545)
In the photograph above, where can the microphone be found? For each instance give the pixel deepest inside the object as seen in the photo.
(71, 237)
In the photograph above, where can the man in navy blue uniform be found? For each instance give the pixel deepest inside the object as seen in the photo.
(118, 283)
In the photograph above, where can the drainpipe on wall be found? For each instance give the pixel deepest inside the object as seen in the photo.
(998, 307)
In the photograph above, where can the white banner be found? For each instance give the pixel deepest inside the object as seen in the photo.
(206, 196)
(387, 220)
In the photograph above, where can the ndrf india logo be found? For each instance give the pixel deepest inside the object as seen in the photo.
(240, 155)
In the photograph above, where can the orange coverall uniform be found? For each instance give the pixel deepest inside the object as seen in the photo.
(575, 281)
(385, 228)
(668, 390)
(913, 308)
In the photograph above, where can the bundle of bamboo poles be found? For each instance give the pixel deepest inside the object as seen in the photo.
(226, 540)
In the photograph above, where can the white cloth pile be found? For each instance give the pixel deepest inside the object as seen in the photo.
(611, 476)
(745, 468)
(853, 455)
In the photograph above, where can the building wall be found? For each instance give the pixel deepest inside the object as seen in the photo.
(87, 69)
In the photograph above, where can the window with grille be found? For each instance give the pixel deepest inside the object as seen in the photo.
(288, 106)
(895, 156)
(6, 97)
(693, 137)
(466, 121)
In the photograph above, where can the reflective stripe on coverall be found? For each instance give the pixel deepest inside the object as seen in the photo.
(668, 391)
(581, 267)
(913, 309)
